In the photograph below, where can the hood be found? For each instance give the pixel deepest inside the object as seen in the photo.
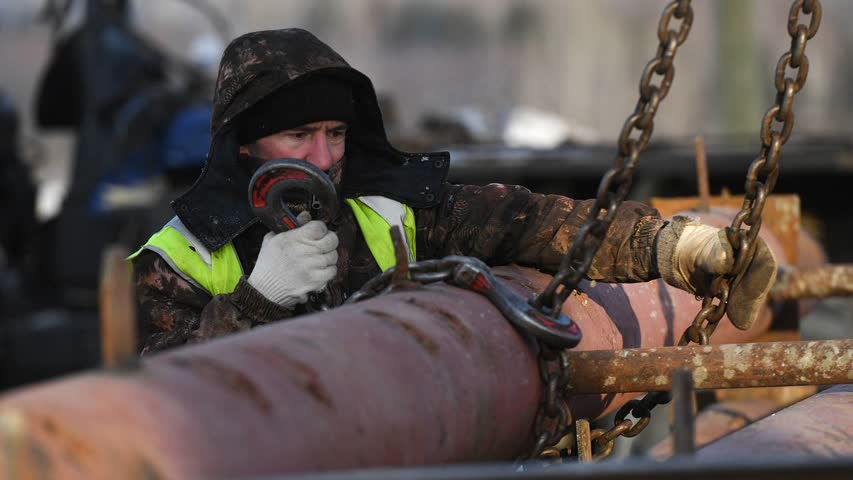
(257, 64)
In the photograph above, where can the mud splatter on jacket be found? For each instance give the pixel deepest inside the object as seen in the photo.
(498, 223)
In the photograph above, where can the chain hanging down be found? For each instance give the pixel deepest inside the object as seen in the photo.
(616, 182)
(763, 172)
(551, 423)
(760, 179)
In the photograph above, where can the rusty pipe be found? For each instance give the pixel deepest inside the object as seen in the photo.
(348, 388)
(718, 420)
(352, 387)
(819, 426)
(776, 364)
(816, 282)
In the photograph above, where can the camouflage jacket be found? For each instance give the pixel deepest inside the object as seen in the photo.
(499, 224)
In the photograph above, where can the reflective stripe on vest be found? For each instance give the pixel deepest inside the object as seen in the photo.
(376, 230)
(217, 272)
(220, 271)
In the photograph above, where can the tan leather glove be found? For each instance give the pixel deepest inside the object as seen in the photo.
(690, 255)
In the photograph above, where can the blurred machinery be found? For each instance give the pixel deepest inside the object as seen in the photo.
(141, 122)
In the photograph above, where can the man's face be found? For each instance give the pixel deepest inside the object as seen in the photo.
(320, 144)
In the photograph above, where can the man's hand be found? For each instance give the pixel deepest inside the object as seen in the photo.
(295, 263)
(690, 254)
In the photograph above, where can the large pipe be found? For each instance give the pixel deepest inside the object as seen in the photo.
(428, 376)
(776, 364)
(423, 377)
(431, 376)
(819, 426)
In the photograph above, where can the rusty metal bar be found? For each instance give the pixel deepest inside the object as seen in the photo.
(117, 310)
(702, 175)
(819, 426)
(818, 282)
(401, 252)
(584, 440)
(827, 362)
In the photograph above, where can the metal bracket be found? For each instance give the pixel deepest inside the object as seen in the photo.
(472, 274)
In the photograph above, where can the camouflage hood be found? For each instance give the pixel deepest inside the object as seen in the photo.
(257, 64)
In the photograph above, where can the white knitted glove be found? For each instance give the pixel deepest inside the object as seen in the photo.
(295, 263)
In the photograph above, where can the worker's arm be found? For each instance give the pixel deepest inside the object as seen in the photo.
(504, 224)
(173, 311)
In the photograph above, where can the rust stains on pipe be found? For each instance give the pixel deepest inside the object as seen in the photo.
(819, 426)
(817, 282)
(774, 364)
(416, 377)
(428, 376)
(431, 376)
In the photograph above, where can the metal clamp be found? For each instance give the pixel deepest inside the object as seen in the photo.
(472, 274)
(556, 332)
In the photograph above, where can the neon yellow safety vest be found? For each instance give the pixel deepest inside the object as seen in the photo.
(218, 272)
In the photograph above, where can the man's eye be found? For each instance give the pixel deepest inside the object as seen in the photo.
(296, 136)
(338, 134)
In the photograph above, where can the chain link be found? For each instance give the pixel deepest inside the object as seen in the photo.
(776, 128)
(551, 422)
(760, 179)
(633, 139)
(552, 419)
(425, 271)
(636, 133)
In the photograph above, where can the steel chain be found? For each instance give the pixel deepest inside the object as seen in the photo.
(552, 419)
(760, 179)
(426, 271)
(763, 172)
(551, 422)
(616, 182)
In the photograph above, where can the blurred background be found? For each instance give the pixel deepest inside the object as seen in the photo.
(104, 118)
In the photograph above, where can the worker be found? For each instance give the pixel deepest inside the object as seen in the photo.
(215, 269)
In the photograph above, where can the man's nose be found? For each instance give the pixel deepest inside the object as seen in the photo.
(320, 154)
